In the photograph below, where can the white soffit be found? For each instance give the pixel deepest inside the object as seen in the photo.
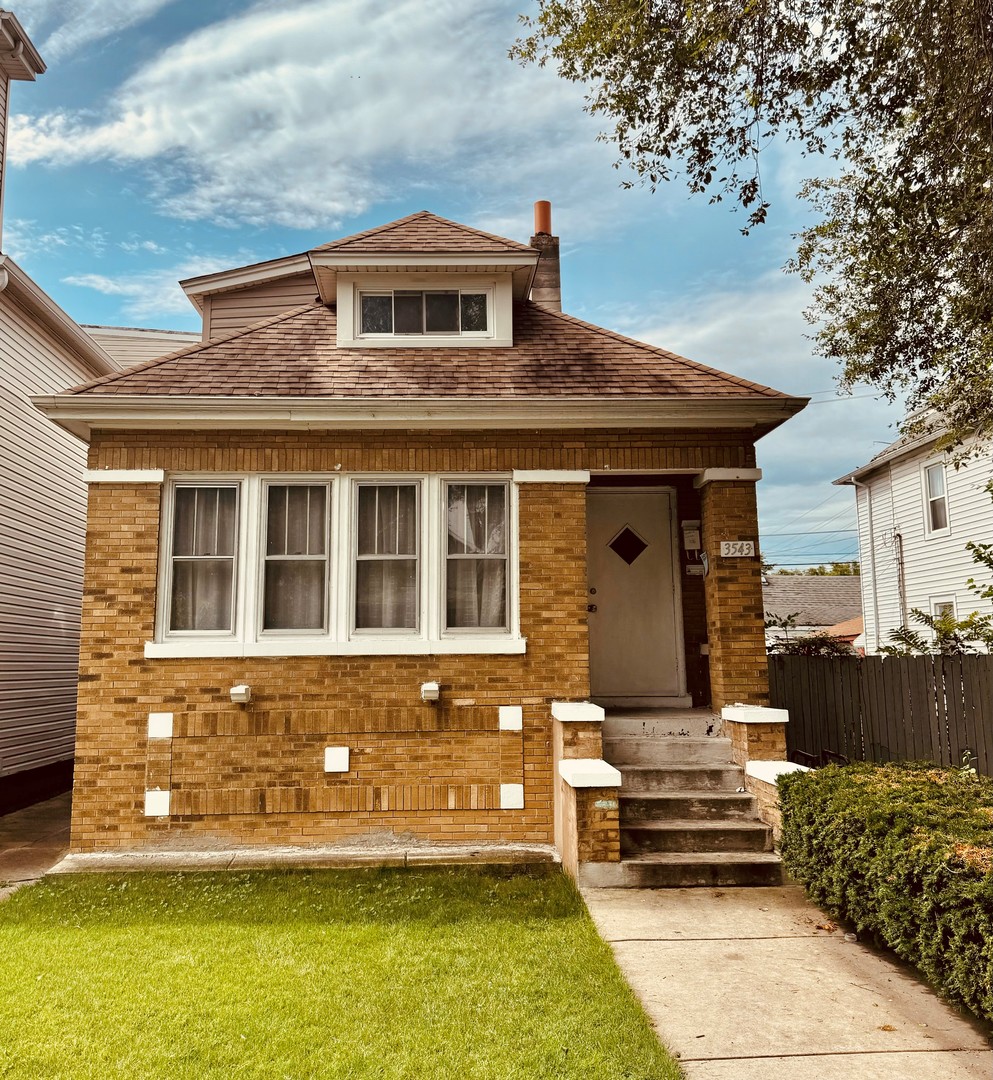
(80, 413)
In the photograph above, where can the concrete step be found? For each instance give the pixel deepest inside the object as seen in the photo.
(676, 869)
(639, 837)
(681, 778)
(686, 806)
(665, 750)
(685, 723)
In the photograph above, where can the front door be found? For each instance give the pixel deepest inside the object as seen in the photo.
(635, 618)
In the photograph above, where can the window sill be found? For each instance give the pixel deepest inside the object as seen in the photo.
(462, 646)
(425, 341)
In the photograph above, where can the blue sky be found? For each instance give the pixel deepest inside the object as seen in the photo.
(170, 138)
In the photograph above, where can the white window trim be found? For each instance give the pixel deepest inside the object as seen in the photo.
(499, 309)
(340, 638)
(926, 499)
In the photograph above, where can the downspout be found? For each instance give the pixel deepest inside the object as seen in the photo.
(901, 580)
(872, 561)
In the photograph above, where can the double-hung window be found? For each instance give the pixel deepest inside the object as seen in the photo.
(295, 572)
(386, 593)
(476, 559)
(203, 550)
(935, 499)
(337, 564)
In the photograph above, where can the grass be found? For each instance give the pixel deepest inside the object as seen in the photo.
(433, 974)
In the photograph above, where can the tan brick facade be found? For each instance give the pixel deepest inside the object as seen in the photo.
(739, 669)
(253, 774)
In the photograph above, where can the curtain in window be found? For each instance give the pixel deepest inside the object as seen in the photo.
(476, 578)
(386, 568)
(204, 528)
(296, 558)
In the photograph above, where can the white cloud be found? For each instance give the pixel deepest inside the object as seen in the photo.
(134, 246)
(150, 295)
(60, 29)
(306, 113)
(24, 239)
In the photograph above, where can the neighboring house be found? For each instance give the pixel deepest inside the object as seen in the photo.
(817, 602)
(850, 632)
(130, 345)
(341, 560)
(43, 499)
(916, 513)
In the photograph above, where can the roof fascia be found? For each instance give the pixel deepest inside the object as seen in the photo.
(14, 281)
(82, 413)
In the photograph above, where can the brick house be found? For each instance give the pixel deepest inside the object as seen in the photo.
(341, 560)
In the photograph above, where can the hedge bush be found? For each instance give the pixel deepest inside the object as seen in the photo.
(905, 852)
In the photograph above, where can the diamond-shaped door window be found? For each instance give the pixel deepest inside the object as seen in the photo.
(627, 544)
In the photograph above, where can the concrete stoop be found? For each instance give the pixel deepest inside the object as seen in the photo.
(685, 818)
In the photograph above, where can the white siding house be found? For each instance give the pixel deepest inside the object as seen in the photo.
(42, 498)
(916, 513)
(134, 345)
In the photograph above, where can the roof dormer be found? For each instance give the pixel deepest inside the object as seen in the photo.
(424, 281)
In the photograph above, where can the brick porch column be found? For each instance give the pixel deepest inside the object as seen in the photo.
(739, 669)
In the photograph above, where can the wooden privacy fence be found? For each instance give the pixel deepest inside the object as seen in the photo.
(887, 708)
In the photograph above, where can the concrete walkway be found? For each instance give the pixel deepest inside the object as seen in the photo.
(32, 841)
(756, 984)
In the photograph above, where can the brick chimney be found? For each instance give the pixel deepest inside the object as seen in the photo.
(546, 289)
(18, 60)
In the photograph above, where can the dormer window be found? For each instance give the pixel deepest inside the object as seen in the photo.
(404, 312)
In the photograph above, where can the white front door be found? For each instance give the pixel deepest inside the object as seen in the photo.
(635, 613)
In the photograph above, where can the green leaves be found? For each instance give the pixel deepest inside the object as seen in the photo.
(902, 257)
(905, 852)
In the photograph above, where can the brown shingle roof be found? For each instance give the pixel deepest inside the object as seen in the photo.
(424, 233)
(554, 355)
(816, 600)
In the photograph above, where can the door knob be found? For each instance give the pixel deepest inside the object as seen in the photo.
(591, 607)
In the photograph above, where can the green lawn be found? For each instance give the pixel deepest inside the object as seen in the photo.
(360, 973)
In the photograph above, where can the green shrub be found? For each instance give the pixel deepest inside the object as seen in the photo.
(905, 852)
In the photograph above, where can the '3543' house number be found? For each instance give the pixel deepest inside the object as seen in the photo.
(737, 549)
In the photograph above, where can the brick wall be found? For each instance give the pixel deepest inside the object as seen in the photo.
(253, 774)
(739, 669)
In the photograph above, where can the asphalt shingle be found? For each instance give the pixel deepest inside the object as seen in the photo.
(295, 354)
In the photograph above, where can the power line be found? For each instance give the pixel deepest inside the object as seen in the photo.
(812, 532)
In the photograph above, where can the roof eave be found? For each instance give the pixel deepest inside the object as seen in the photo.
(83, 413)
(19, 59)
(884, 458)
(14, 281)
